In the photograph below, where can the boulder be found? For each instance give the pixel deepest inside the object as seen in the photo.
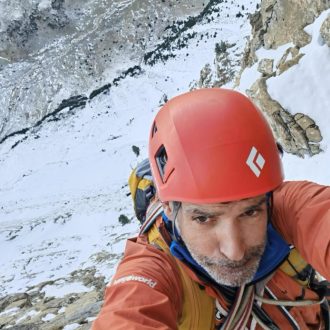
(14, 300)
(313, 134)
(265, 66)
(298, 133)
(304, 121)
(87, 306)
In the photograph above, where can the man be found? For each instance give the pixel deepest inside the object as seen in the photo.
(218, 255)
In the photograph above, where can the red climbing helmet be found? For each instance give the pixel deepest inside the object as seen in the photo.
(212, 145)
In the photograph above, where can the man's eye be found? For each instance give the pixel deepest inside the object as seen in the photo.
(200, 219)
(251, 213)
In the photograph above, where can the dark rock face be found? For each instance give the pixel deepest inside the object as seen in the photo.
(74, 102)
(19, 38)
(57, 4)
(76, 45)
(19, 31)
(177, 34)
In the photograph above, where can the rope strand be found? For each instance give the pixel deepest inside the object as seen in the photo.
(288, 302)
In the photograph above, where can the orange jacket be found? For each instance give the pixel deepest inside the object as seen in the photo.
(147, 292)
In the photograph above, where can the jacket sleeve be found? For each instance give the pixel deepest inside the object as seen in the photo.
(145, 292)
(302, 216)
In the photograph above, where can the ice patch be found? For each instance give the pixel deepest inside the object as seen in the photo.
(72, 326)
(48, 317)
(58, 291)
(9, 311)
(44, 4)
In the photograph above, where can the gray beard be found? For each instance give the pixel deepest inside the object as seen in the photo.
(231, 273)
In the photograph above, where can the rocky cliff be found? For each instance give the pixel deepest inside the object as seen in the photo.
(276, 25)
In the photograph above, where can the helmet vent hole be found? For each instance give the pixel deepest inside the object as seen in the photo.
(154, 129)
(161, 160)
(280, 149)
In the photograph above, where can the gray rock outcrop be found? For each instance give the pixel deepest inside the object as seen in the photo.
(281, 22)
(275, 24)
(222, 70)
(325, 31)
(298, 134)
(36, 310)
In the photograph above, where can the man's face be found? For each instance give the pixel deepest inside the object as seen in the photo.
(226, 239)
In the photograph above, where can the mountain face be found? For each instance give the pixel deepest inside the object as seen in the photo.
(80, 85)
(52, 50)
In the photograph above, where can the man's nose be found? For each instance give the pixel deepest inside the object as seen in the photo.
(231, 242)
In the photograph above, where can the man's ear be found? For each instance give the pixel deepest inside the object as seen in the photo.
(167, 209)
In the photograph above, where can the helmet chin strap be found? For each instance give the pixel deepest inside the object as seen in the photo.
(269, 204)
(178, 248)
(176, 235)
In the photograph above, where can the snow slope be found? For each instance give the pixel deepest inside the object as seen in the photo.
(64, 182)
